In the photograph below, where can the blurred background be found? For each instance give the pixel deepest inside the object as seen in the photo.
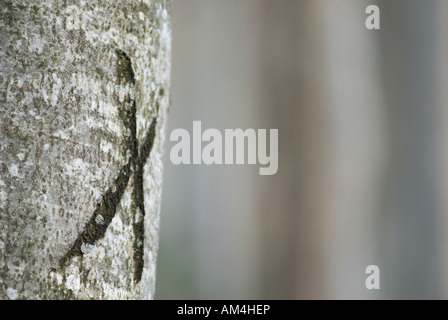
(363, 151)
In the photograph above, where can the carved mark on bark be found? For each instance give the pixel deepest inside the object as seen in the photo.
(101, 218)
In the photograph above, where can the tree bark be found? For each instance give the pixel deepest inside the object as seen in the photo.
(83, 103)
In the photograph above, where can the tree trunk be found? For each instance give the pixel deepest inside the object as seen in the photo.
(83, 103)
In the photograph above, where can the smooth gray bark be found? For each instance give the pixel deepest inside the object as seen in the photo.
(84, 92)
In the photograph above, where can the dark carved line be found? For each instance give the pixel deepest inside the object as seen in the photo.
(139, 214)
(102, 216)
(104, 213)
(124, 67)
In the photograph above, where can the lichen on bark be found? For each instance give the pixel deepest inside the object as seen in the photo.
(66, 137)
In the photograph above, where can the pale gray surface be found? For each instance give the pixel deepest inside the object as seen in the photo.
(63, 142)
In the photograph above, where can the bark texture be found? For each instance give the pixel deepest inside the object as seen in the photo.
(83, 102)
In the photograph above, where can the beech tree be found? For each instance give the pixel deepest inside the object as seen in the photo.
(85, 89)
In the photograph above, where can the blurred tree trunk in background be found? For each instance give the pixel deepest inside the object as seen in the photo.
(409, 237)
(441, 115)
(362, 150)
(357, 114)
(84, 96)
(323, 93)
(362, 108)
